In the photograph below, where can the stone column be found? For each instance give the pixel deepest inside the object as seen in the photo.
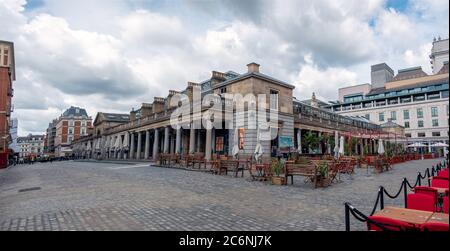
(178, 142)
(208, 144)
(299, 140)
(147, 144)
(166, 139)
(139, 146)
(155, 144)
(131, 146)
(192, 140)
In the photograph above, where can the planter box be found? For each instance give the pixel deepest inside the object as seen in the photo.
(280, 181)
(323, 182)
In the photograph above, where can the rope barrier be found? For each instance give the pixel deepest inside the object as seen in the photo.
(349, 209)
(377, 201)
(395, 196)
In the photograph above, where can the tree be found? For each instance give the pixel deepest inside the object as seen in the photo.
(312, 140)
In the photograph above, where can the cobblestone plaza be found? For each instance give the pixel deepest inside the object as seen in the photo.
(136, 196)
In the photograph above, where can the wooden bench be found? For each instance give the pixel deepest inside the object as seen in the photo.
(230, 165)
(199, 159)
(306, 170)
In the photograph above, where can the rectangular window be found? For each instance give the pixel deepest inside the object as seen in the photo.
(421, 135)
(273, 99)
(407, 124)
(405, 114)
(434, 111)
(435, 122)
(408, 135)
(381, 116)
(420, 123)
(241, 138)
(219, 144)
(71, 123)
(419, 113)
(5, 57)
(436, 134)
(393, 115)
(70, 130)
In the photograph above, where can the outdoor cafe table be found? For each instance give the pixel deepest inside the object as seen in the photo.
(262, 171)
(412, 216)
(438, 218)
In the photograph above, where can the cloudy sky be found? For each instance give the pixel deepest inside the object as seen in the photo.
(112, 55)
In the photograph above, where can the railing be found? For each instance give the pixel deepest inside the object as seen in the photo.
(307, 110)
(349, 209)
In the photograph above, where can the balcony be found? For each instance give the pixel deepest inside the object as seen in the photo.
(10, 92)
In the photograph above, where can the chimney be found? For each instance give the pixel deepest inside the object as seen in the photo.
(218, 75)
(132, 115)
(253, 68)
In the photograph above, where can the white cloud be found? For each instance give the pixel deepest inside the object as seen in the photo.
(113, 55)
(311, 79)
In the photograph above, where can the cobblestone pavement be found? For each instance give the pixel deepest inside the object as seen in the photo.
(107, 196)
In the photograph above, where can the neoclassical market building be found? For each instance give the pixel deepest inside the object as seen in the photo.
(147, 132)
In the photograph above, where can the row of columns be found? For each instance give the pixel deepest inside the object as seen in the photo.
(135, 149)
(358, 148)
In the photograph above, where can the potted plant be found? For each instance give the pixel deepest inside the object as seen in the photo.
(323, 179)
(277, 169)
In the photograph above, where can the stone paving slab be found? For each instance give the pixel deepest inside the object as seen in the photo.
(107, 196)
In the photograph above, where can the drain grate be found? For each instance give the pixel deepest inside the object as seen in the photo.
(29, 189)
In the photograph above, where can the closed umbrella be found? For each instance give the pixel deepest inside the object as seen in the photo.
(112, 143)
(126, 142)
(259, 151)
(380, 147)
(97, 145)
(118, 143)
(341, 146)
(108, 143)
(235, 151)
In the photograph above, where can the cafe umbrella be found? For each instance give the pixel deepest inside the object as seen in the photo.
(341, 147)
(380, 147)
(259, 149)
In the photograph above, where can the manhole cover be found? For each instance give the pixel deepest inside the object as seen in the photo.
(29, 189)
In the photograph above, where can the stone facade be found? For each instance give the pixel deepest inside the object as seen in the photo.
(149, 131)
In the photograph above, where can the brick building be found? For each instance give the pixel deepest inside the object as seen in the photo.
(7, 76)
(71, 125)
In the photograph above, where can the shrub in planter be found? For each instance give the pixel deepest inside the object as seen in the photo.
(277, 168)
(323, 179)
